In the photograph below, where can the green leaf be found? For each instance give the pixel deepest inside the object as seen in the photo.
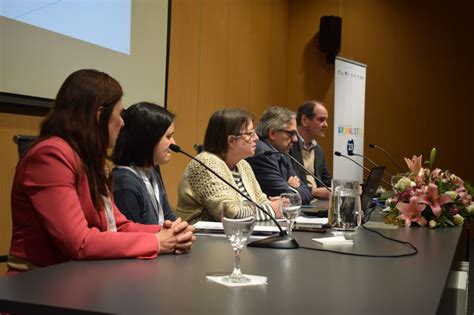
(449, 222)
(432, 157)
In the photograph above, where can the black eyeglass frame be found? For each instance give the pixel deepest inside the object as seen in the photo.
(290, 133)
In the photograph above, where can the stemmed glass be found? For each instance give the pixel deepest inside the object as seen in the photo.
(290, 204)
(238, 218)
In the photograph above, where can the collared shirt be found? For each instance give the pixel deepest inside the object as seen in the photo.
(309, 147)
(109, 214)
(307, 152)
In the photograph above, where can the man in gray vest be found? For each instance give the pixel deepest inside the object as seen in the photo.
(311, 120)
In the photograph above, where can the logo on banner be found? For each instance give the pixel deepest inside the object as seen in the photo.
(350, 75)
(349, 131)
(350, 146)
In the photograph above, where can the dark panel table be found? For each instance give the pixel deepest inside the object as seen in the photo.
(299, 281)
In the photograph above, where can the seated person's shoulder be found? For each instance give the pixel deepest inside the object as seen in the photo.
(123, 176)
(53, 144)
(212, 161)
(244, 166)
(53, 148)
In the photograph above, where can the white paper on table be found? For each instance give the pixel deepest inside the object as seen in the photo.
(217, 227)
(311, 220)
(254, 280)
(333, 240)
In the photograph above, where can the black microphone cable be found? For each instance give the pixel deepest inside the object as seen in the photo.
(406, 243)
(282, 241)
(410, 245)
(176, 148)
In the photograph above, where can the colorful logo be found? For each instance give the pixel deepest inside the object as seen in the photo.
(349, 130)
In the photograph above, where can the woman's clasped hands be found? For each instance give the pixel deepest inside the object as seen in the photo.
(176, 237)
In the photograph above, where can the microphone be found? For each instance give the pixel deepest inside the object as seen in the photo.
(371, 162)
(320, 182)
(362, 156)
(374, 146)
(281, 241)
(337, 153)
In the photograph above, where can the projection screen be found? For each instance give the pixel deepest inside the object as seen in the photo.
(43, 41)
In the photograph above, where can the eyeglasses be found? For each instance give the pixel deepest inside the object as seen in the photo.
(249, 134)
(290, 133)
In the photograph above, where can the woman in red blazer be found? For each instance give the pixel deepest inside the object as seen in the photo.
(62, 207)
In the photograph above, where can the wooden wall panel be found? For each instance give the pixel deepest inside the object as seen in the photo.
(224, 53)
(213, 58)
(419, 74)
(239, 53)
(183, 77)
(279, 53)
(260, 64)
(309, 76)
(10, 125)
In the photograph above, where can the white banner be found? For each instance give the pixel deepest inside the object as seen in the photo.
(349, 110)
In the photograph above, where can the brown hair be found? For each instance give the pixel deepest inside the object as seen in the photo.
(74, 119)
(223, 123)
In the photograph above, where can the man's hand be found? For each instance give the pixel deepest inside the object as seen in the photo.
(321, 193)
(294, 181)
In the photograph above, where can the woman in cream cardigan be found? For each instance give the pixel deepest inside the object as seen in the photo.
(230, 138)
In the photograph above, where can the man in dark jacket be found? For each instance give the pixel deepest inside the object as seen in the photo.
(273, 169)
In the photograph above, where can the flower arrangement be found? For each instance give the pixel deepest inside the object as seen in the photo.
(425, 196)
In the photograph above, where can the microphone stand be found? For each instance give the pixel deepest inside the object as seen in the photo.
(320, 182)
(280, 241)
(372, 162)
(374, 146)
(337, 153)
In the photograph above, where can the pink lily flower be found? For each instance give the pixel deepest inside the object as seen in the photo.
(419, 181)
(460, 185)
(433, 199)
(466, 199)
(459, 182)
(414, 165)
(436, 174)
(411, 212)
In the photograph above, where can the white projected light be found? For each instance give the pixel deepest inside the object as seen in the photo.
(36, 56)
(101, 22)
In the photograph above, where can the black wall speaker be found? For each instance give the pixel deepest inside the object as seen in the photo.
(330, 36)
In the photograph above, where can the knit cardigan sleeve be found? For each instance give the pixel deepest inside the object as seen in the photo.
(207, 191)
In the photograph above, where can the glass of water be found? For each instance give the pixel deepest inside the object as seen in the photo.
(238, 218)
(290, 204)
(345, 211)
